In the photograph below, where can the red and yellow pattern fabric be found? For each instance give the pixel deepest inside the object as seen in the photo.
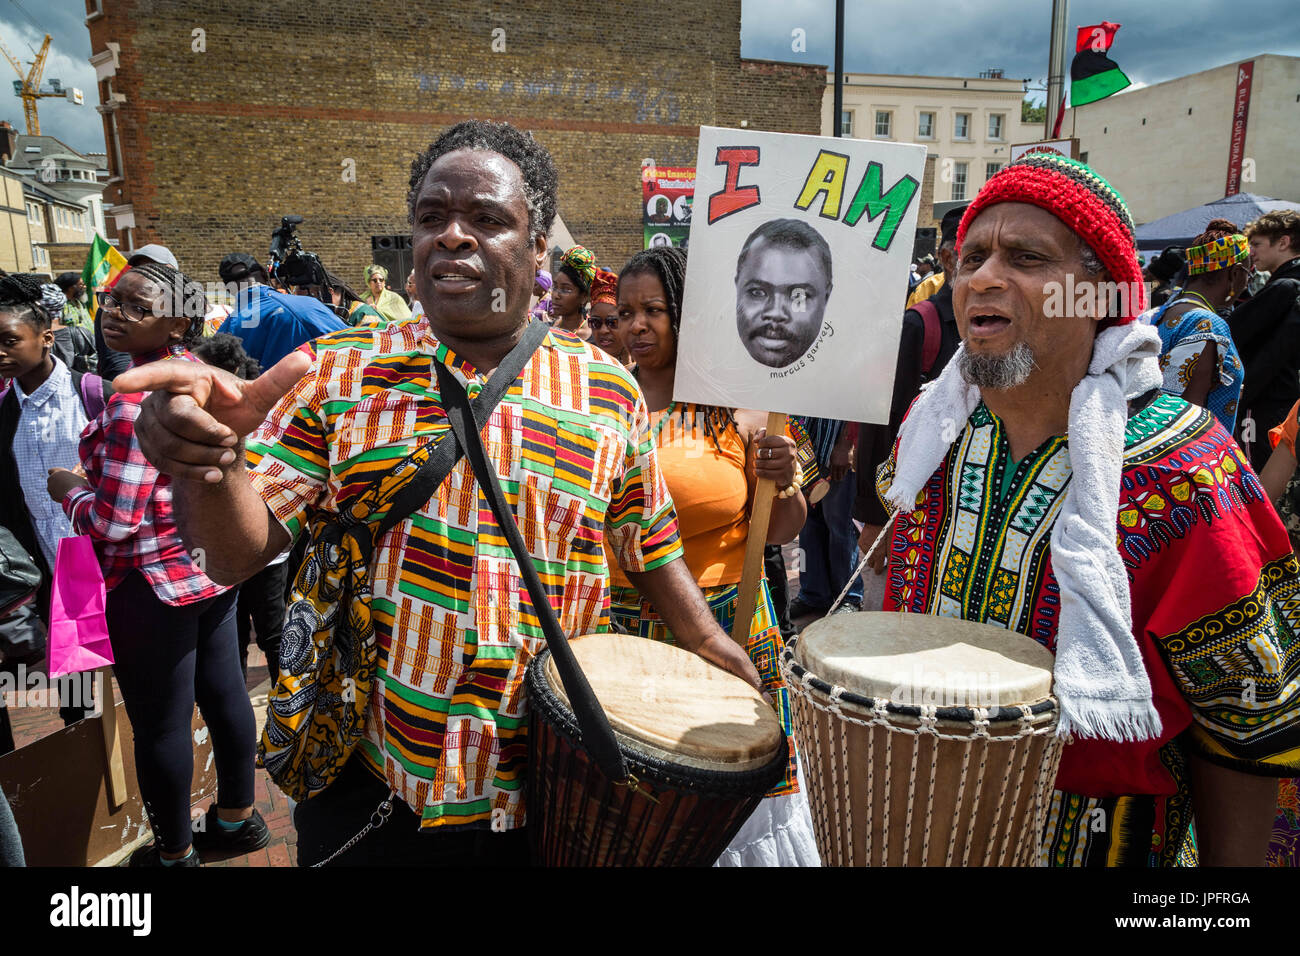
(1215, 601)
(453, 621)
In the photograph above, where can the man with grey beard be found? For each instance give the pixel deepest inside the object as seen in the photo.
(1044, 484)
(1002, 372)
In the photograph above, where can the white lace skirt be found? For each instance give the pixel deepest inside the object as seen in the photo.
(778, 833)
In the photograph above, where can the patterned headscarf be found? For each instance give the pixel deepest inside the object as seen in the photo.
(582, 263)
(53, 300)
(1217, 254)
(1084, 201)
(604, 287)
(376, 270)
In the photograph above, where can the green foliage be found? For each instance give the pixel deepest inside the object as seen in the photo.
(1029, 113)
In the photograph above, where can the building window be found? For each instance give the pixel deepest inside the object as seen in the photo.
(883, 123)
(991, 170)
(959, 180)
(995, 126)
(1083, 157)
(846, 123)
(925, 126)
(961, 126)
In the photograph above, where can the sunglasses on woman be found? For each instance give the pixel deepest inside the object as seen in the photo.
(609, 321)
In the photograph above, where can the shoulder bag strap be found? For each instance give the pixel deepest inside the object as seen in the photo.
(448, 451)
(597, 735)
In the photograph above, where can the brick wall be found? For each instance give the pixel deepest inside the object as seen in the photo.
(218, 145)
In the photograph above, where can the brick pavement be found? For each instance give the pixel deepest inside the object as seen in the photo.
(32, 723)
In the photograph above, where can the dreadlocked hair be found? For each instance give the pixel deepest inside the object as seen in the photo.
(1215, 229)
(183, 296)
(668, 265)
(20, 292)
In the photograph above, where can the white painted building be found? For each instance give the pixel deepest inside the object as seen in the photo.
(1166, 147)
(968, 123)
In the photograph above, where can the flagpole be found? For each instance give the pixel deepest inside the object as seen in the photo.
(1056, 65)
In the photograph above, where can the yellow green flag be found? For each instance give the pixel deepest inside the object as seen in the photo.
(102, 264)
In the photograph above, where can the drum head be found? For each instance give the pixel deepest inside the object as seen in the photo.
(919, 659)
(672, 703)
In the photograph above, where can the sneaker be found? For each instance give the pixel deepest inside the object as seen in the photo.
(848, 607)
(149, 856)
(801, 608)
(252, 834)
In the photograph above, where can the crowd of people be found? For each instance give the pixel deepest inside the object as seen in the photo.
(206, 449)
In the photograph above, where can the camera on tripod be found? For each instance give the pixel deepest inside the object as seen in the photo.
(285, 239)
(293, 267)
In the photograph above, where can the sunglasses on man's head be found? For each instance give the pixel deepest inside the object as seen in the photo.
(609, 321)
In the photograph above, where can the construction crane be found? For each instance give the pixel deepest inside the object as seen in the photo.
(28, 87)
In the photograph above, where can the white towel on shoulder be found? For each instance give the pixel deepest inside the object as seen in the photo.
(1100, 680)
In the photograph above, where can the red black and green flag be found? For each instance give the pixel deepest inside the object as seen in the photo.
(1093, 75)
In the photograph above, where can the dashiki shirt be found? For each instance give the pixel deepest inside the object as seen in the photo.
(1215, 599)
(1182, 340)
(455, 628)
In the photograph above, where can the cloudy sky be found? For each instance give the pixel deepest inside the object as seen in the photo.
(1158, 41)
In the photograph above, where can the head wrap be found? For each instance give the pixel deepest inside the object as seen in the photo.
(543, 279)
(604, 287)
(1217, 254)
(582, 262)
(53, 300)
(1081, 199)
(376, 270)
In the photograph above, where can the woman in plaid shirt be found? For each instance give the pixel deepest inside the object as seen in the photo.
(173, 630)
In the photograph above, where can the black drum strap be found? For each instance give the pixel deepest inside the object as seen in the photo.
(597, 735)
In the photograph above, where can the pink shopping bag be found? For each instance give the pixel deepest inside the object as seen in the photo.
(78, 633)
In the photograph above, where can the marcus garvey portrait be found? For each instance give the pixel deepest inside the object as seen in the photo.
(783, 281)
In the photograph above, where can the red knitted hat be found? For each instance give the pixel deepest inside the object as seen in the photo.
(1081, 199)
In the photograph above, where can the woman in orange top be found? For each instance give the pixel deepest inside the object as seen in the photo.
(711, 459)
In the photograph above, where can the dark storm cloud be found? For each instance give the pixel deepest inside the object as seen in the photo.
(1157, 42)
(65, 20)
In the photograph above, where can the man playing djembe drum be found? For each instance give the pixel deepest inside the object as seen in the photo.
(1044, 484)
(447, 727)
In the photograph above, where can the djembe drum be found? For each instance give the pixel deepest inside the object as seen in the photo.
(926, 741)
(701, 745)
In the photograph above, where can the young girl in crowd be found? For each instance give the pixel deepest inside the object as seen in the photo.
(41, 418)
(172, 629)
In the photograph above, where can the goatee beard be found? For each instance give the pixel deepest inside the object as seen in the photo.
(998, 371)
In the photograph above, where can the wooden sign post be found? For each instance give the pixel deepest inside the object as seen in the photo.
(760, 516)
(114, 771)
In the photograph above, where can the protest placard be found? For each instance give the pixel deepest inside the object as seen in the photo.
(667, 195)
(799, 253)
